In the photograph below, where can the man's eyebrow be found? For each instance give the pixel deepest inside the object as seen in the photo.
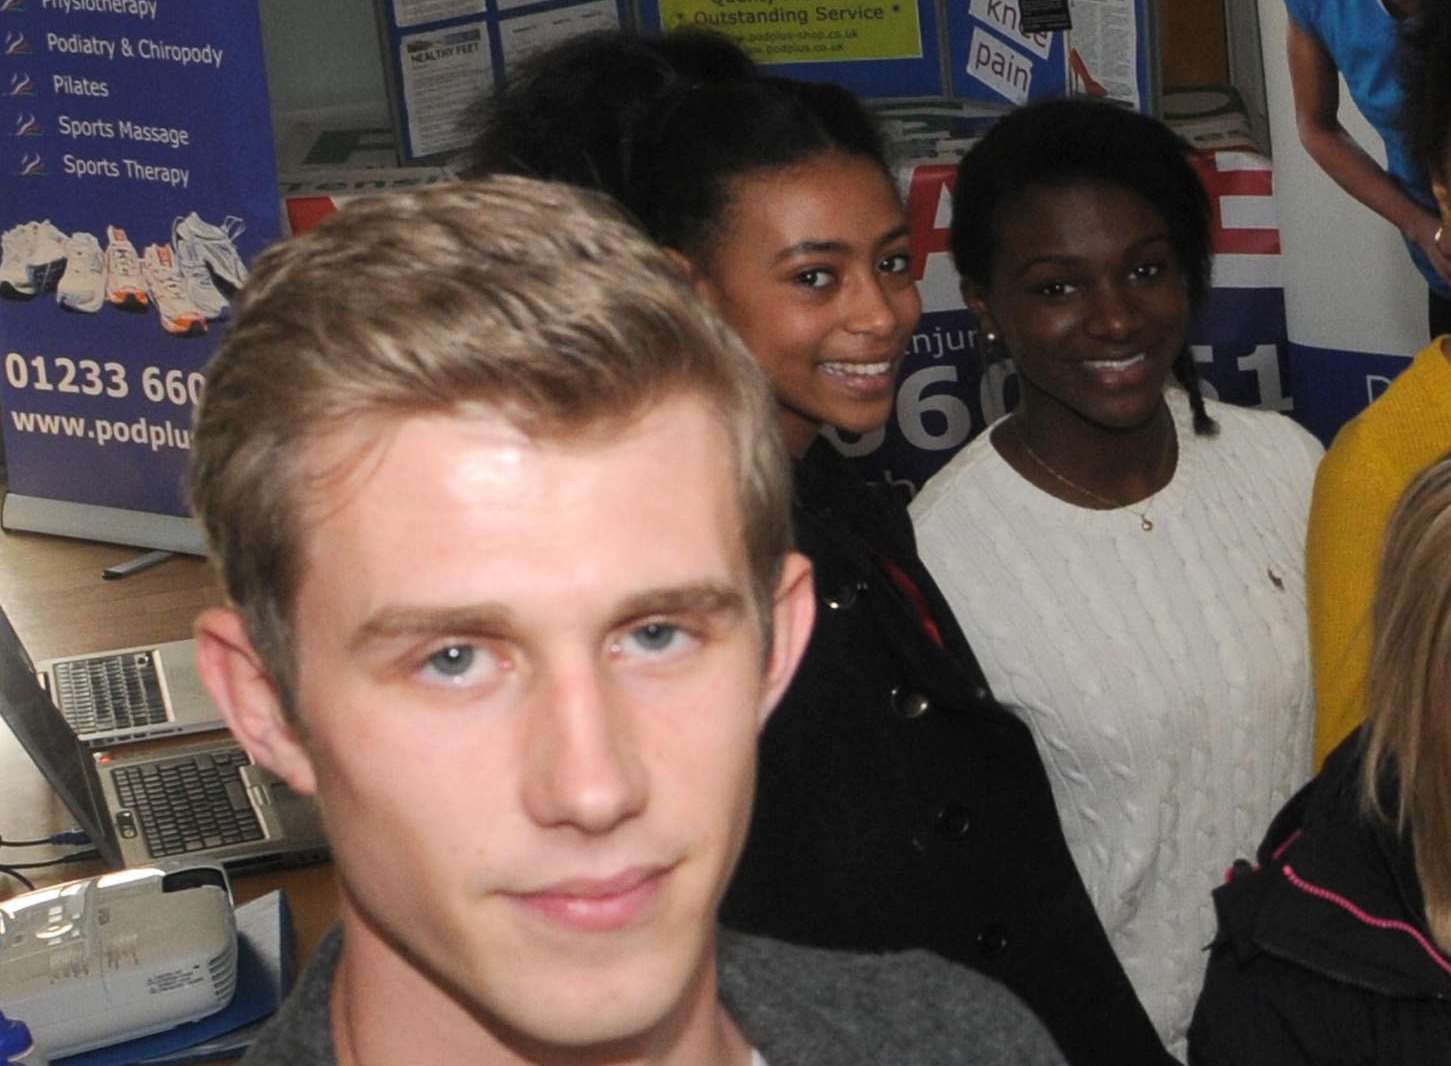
(392, 623)
(702, 598)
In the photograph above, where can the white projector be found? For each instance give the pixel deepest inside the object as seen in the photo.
(106, 959)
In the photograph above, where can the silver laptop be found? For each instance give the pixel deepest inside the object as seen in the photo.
(130, 694)
(199, 801)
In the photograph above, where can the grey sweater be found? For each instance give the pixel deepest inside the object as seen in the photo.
(797, 1006)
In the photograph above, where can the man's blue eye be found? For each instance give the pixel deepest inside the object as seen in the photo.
(453, 661)
(655, 636)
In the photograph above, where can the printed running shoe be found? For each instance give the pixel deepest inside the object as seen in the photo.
(125, 287)
(46, 262)
(83, 286)
(168, 292)
(198, 280)
(214, 245)
(16, 244)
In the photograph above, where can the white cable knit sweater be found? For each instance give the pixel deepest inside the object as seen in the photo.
(1165, 674)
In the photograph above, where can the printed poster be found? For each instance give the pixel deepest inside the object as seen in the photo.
(444, 75)
(136, 142)
(878, 48)
(445, 56)
(418, 12)
(993, 59)
(1107, 49)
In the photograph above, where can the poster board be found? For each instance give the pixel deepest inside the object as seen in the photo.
(967, 50)
(443, 56)
(139, 127)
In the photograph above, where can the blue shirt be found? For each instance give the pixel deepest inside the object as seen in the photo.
(1361, 37)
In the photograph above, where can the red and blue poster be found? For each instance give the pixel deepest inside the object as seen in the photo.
(140, 181)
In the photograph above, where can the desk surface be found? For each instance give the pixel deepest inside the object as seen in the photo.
(52, 590)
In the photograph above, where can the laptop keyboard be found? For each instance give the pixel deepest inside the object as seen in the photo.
(189, 803)
(110, 692)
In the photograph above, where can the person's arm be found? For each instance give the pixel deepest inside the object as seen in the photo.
(1315, 83)
(1348, 516)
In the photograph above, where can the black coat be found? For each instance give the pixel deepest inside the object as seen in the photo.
(900, 806)
(1323, 954)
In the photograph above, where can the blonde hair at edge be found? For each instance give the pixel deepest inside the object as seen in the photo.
(534, 300)
(1409, 687)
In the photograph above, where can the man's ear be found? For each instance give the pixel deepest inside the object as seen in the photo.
(697, 278)
(242, 689)
(793, 610)
(683, 262)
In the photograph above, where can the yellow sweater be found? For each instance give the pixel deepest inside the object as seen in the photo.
(1373, 459)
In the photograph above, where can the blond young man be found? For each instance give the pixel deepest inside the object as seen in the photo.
(502, 514)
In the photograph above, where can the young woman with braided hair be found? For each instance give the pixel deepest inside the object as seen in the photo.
(1124, 555)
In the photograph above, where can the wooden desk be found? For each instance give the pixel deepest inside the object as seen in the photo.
(51, 588)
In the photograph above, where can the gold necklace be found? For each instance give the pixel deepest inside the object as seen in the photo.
(1145, 523)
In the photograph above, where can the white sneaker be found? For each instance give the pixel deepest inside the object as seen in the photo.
(163, 281)
(214, 245)
(47, 259)
(200, 285)
(125, 287)
(16, 244)
(83, 287)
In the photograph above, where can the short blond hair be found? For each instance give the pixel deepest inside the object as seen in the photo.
(1408, 720)
(534, 300)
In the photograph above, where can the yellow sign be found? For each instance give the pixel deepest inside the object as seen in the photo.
(806, 31)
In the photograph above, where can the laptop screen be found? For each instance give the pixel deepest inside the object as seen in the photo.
(43, 733)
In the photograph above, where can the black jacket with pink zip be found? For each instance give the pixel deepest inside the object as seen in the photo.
(1323, 954)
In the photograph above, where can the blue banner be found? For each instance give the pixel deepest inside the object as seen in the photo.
(1333, 385)
(137, 149)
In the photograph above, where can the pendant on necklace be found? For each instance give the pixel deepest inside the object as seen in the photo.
(1145, 524)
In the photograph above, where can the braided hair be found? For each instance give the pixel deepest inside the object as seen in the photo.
(1060, 143)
